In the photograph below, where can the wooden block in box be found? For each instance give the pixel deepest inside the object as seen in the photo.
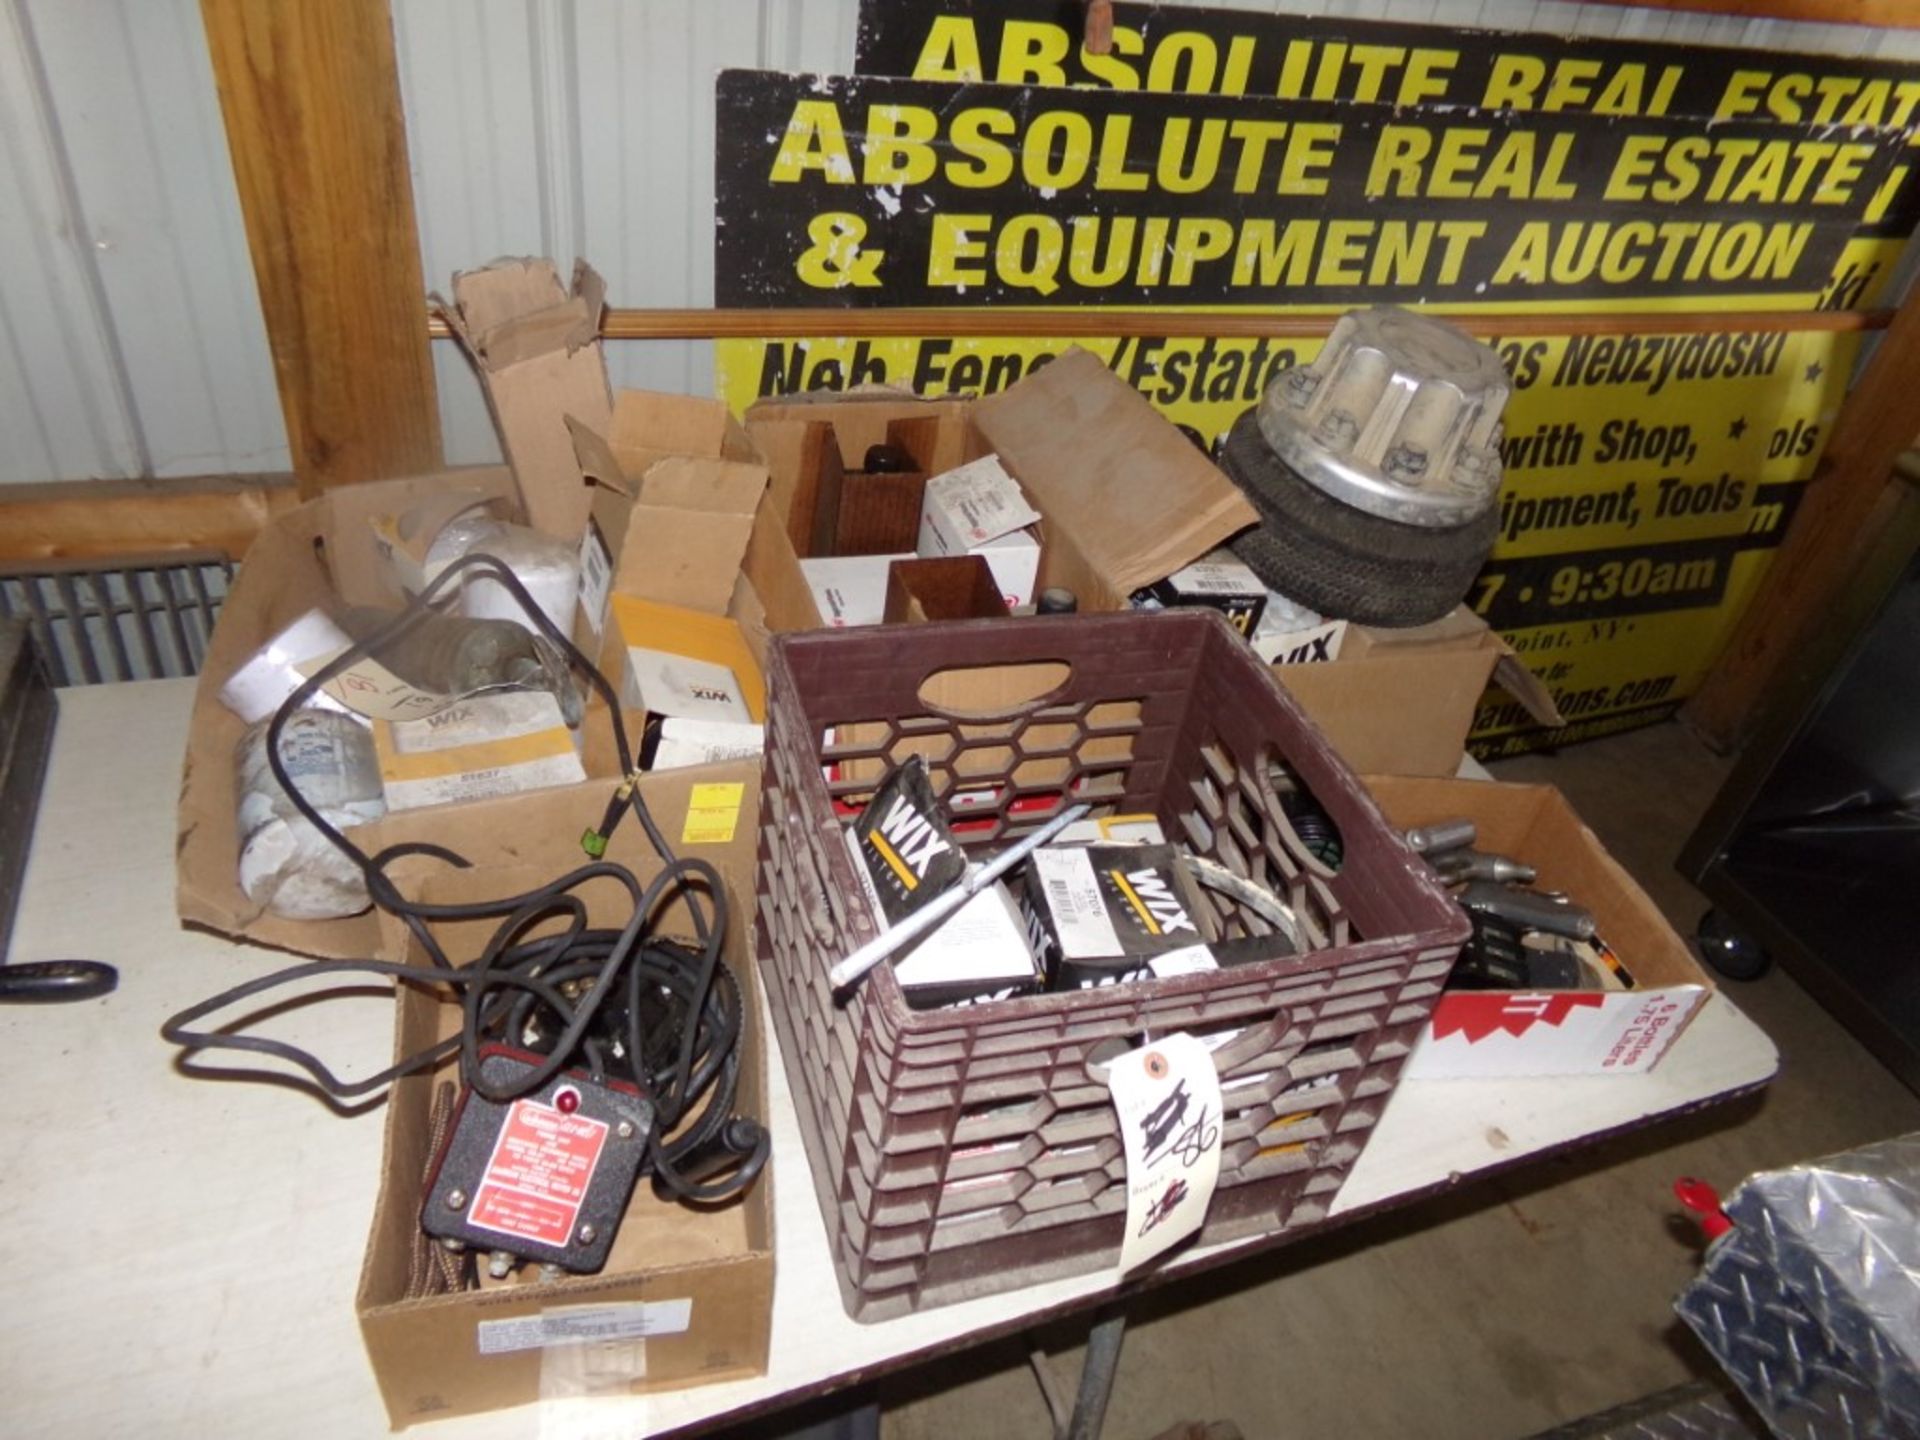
(1494, 1033)
(712, 1266)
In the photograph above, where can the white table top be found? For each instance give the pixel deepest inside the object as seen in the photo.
(184, 1251)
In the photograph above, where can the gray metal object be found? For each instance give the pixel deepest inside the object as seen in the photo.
(128, 618)
(1442, 835)
(1695, 1411)
(1457, 865)
(29, 713)
(1399, 415)
(1528, 909)
(1812, 1304)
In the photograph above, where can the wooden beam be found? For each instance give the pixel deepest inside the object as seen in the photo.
(311, 96)
(1878, 420)
(1891, 14)
(695, 324)
(93, 519)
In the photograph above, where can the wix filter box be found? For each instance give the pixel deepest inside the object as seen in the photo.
(978, 953)
(1104, 912)
(1220, 581)
(903, 844)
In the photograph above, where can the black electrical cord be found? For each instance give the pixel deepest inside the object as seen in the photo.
(681, 1014)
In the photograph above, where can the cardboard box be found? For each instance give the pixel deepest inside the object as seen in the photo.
(1492, 1033)
(537, 348)
(977, 509)
(298, 562)
(677, 487)
(1125, 499)
(1219, 580)
(501, 743)
(688, 1293)
(677, 661)
(813, 445)
(1402, 702)
(951, 587)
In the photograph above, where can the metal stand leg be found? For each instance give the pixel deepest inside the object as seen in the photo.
(1097, 1374)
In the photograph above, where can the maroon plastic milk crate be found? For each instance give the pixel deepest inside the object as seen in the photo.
(958, 1152)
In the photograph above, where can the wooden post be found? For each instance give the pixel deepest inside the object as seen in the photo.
(311, 95)
(1877, 421)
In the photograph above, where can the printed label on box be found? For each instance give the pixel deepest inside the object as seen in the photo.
(685, 741)
(502, 715)
(584, 1325)
(1317, 645)
(1217, 577)
(1168, 1096)
(1080, 918)
(981, 501)
(713, 812)
(662, 683)
(1494, 1033)
(537, 1177)
(596, 576)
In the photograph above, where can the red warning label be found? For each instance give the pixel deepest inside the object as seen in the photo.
(537, 1177)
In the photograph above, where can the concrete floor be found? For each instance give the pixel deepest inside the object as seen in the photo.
(1524, 1302)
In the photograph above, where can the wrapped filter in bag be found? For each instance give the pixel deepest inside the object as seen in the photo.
(272, 673)
(549, 568)
(285, 864)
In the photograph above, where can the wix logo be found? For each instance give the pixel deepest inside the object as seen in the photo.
(1155, 898)
(912, 836)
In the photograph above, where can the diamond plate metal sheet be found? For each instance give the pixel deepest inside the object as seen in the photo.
(1696, 1411)
(1813, 1303)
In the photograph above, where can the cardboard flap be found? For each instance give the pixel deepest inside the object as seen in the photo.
(714, 487)
(647, 425)
(506, 289)
(565, 327)
(1139, 500)
(1512, 676)
(592, 291)
(597, 460)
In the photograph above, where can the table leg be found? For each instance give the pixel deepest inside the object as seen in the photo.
(1097, 1374)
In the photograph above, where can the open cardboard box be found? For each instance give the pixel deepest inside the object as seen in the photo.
(1402, 702)
(302, 559)
(1126, 500)
(687, 1295)
(536, 346)
(1495, 1033)
(815, 450)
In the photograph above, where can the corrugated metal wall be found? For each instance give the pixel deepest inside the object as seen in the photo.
(133, 342)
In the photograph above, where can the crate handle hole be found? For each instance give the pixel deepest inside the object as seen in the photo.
(994, 692)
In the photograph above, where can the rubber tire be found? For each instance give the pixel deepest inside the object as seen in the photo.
(1343, 562)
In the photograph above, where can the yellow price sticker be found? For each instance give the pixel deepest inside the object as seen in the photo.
(713, 811)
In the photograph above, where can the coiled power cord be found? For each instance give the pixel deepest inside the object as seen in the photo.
(624, 1003)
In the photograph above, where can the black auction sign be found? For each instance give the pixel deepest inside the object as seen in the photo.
(1287, 165)
(874, 190)
(1183, 49)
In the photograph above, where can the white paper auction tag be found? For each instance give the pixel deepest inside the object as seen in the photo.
(1168, 1097)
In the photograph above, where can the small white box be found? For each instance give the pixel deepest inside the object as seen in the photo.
(685, 740)
(850, 589)
(662, 683)
(979, 509)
